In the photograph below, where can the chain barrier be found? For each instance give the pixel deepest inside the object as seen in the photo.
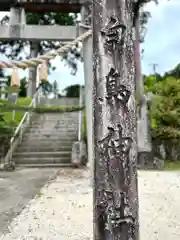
(33, 62)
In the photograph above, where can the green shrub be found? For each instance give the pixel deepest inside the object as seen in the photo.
(165, 110)
(39, 109)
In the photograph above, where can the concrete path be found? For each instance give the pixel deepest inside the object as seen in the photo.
(17, 188)
(63, 210)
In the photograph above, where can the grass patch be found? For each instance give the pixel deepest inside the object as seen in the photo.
(172, 166)
(22, 106)
(18, 114)
(42, 109)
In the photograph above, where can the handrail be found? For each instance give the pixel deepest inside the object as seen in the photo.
(24, 118)
(13, 142)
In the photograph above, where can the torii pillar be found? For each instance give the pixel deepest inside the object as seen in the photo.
(16, 26)
(88, 76)
(32, 75)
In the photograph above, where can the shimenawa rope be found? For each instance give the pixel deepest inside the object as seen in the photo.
(33, 62)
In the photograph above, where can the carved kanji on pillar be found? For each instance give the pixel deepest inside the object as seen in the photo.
(120, 94)
(114, 33)
(114, 148)
(115, 194)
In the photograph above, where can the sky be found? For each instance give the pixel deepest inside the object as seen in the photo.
(162, 41)
(161, 46)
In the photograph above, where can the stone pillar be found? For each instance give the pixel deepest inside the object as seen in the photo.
(16, 25)
(115, 205)
(143, 137)
(34, 49)
(17, 22)
(88, 76)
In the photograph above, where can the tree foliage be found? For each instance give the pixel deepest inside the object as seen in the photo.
(23, 87)
(46, 87)
(165, 109)
(72, 91)
(151, 81)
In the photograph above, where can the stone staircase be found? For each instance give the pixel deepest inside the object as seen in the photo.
(48, 140)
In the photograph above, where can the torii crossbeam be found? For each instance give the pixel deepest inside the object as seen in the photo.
(63, 6)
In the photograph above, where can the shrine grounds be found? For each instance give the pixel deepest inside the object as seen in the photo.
(62, 209)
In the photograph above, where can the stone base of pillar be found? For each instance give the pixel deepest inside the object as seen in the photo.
(145, 160)
(79, 154)
(8, 167)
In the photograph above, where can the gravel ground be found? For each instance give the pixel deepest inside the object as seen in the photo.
(17, 189)
(63, 209)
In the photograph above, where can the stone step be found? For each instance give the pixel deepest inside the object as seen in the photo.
(46, 144)
(42, 144)
(43, 140)
(49, 133)
(57, 115)
(48, 141)
(55, 123)
(43, 160)
(57, 118)
(42, 154)
(42, 148)
(50, 136)
(47, 165)
(51, 128)
(64, 123)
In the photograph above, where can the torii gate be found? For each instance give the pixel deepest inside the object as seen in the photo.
(18, 30)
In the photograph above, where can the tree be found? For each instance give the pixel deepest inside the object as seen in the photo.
(6, 130)
(1, 72)
(72, 91)
(115, 193)
(46, 87)
(18, 48)
(173, 73)
(149, 84)
(23, 88)
(165, 117)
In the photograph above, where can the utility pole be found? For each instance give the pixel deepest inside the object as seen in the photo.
(154, 67)
(115, 127)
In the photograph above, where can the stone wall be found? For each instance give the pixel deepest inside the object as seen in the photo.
(166, 149)
(4, 146)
